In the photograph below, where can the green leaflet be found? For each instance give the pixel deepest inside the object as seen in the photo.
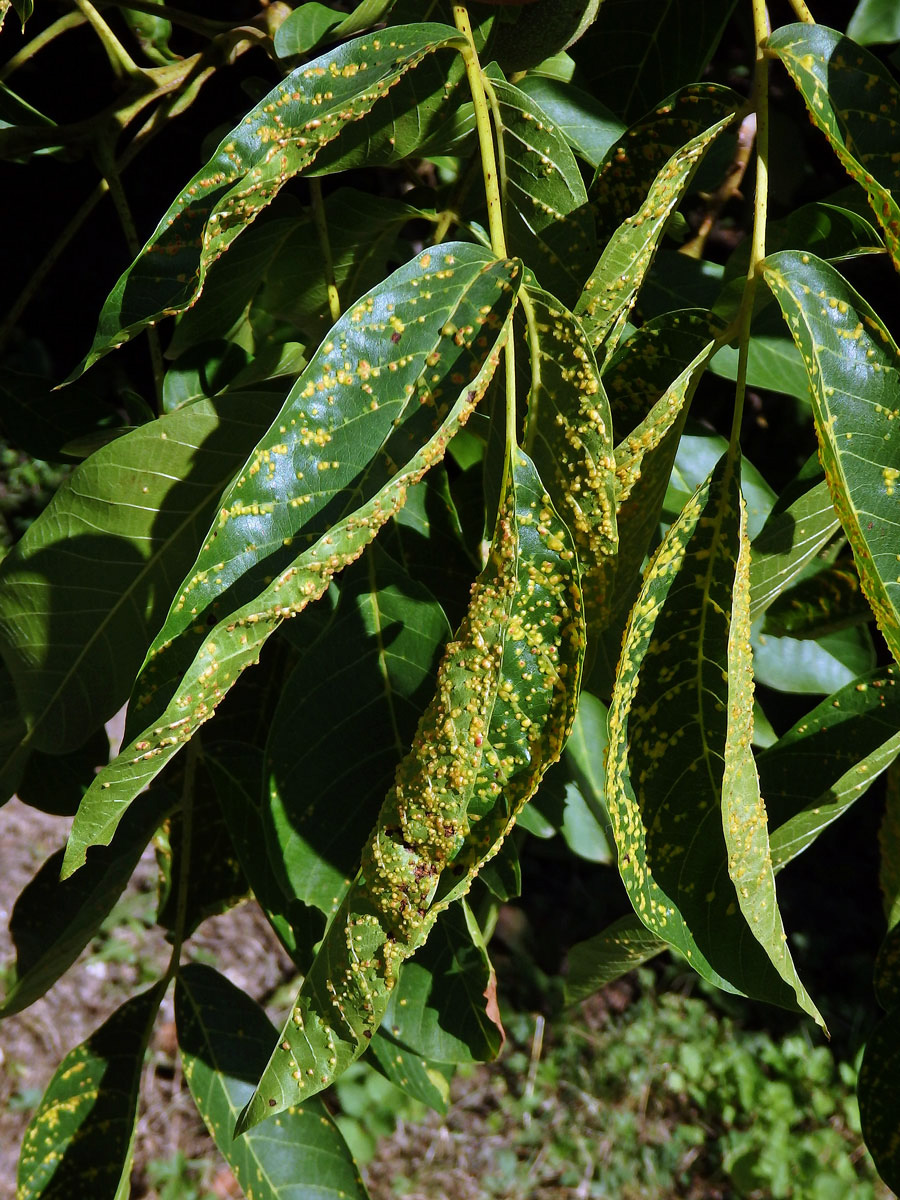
(683, 793)
(504, 704)
(852, 363)
(589, 127)
(83, 592)
(358, 435)
(410, 1072)
(855, 101)
(277, 139)
(569, 434)
(53, 921)
(618, 949)
(80, 1137)
(828, 759)
(363, 684)
(224, 1037)
(821, 604)
(548, 221)
(612, 288)
(791, 537)
(889, 847)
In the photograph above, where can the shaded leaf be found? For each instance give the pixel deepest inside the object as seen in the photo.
(479, 753)
(588, 126)
(641, 50)
(54, 920)
(84, 1125)
(879, 1105)
(855, 101)
(268, 147)
(855, 382)
(683, 792)
(874, 21)
(823, 603)
(355, 460)
(889, 847)
(828, 759)
(224, 1038)
(55, 783)
(548, 222)
(612, 288)
(410, 1072)
(607, 956)
(83, 592)
(363, 684)
(438, 1008)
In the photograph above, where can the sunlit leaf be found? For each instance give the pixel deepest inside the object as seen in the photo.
(855, 381)
(588, 126)
(280, 137)
(614, 283)
(855, 101)
(874, 21)
(808, 667)
(84, 1125)
(682, 788)
(479, 753)
(87, 587)
(224, 1038)
(334, 466)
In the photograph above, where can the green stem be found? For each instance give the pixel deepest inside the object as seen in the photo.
(191, 757)
(483, 128)
(760, 208)
(318, 208)
(121, 61)
(534, 354)
(803, 13)
(69, 21)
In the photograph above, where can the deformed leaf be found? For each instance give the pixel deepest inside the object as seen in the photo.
(612, 288)
(618, 949)
(854, 373)
(84, 1125)
(224, 1038)
(682, 788)
(504, 704)
(569, 433)
(280, 137)
(85, 590)
(335, 465)
(855, 101)
(549, 223)
(53, 921)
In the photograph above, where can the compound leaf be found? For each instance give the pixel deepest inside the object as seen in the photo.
(373, 411)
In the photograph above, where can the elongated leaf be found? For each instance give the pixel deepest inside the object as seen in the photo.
(599, 960)
(855, 101)
(503, 707)
(854, 372)
(641, 50)
(83, 1128)
(363, 684)
(53, 921)
(612, 288)
(224, 1038)
(889, 847)
(357, 436)
(570, 436)
(83, 593)
(879, 1110)
(791, 537)
(828, 759)
(410, 1072)
(630, 166)
(683, 792)
(280, 137)
(549, 223)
